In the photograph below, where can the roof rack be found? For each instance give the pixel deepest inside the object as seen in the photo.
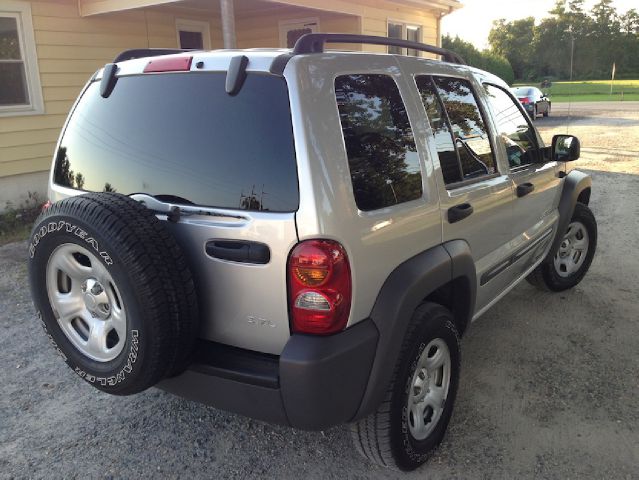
(147, 52)
(314, 43)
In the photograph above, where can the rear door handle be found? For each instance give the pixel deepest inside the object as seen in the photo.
(524, 189)
(239, 251)
(459, 212)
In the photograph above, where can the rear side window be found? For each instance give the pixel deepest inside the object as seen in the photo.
(464, 124)
(382, 154)
(182, 138)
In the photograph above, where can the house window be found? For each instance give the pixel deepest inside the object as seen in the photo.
(193, 35)
(403, 31)
(20, 91)
(292, 30)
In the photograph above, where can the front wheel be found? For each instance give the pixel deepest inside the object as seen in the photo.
(411, 421)
(570, 263)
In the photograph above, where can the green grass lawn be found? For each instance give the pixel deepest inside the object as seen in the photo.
(592, 90)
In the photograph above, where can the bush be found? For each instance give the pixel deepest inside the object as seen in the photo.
(16, 221)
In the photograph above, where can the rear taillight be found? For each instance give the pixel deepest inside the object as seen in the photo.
(170, 64)
(319, 278)
(524, 100)
(46, 205)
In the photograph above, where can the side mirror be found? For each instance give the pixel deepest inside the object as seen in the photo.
(565, 148)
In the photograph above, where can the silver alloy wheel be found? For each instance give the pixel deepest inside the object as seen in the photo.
(86, 302)
(573, 250)
(429, 389)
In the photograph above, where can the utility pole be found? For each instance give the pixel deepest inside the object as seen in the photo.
(572, 50)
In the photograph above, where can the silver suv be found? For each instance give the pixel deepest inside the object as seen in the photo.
(300, 236)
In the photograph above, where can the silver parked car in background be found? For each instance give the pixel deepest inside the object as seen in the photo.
(300, 236)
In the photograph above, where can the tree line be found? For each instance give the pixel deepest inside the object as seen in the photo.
(596, 39)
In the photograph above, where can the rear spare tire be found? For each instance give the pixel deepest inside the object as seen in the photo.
(113, 291)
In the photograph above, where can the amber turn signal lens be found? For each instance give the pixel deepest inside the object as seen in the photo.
(310, 277)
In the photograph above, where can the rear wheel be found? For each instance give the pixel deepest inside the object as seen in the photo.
(547, 112)
(572, 260)
(412, 420)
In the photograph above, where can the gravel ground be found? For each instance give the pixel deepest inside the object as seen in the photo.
(549, 389)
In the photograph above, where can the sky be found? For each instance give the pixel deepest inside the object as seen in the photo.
(473, 21)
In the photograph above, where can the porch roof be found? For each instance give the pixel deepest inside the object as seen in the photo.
(96, 7)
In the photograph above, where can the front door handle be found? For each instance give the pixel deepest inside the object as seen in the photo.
(459, 212)
(524, 189)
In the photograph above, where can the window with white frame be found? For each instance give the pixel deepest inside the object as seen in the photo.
(292, 30)
(20, 91)
(193, 34)
(404, 31)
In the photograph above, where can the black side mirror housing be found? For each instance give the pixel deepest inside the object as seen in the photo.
(565, 148)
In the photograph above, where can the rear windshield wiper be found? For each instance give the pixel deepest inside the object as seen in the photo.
(164, 205)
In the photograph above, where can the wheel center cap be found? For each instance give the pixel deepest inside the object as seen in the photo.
(95, 299)
(90, 301)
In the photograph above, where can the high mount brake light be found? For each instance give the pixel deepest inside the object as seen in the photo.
(320, 287)
(169, 64)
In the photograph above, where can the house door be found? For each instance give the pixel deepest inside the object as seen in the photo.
(292, 30)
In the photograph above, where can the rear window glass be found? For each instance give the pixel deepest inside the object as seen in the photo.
(523, 91)
(182, 138)
(381, 150)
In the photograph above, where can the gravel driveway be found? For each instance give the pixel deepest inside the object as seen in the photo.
(549, 389)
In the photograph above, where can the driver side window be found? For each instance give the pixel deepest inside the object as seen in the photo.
(513, 128)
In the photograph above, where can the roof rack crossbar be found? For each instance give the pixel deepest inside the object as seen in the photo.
(314, 43)
(147, 52)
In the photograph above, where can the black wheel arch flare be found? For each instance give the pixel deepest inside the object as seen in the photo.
(405, 288)
(576, 187)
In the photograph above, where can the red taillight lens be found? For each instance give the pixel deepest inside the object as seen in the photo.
(524, 100)
(171, 64)
(319, 287)
(46, 205)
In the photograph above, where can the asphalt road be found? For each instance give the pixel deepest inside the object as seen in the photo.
(549, 389)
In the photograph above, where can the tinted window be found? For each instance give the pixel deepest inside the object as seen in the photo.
(469, 131)
(523, 91)
(395, 31)
(448, 159)
(381, 150)
(182, 138)
(513, 127)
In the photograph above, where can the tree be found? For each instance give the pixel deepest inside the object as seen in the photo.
(486, 60)
(630, 22)
(514, 41)
(601, 37)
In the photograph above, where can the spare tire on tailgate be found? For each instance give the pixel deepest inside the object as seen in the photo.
(112, 289)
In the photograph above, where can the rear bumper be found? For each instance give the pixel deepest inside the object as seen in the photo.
(316, 383)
